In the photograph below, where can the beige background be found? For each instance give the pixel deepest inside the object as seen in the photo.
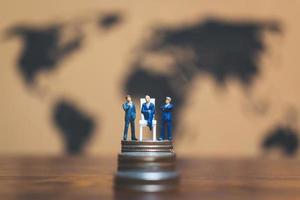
(214, 121)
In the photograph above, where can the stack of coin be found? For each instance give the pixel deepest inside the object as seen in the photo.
(148, 166)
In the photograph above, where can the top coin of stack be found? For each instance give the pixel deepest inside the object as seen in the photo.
(147, 146)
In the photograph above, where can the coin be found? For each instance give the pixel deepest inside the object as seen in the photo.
(147, 181)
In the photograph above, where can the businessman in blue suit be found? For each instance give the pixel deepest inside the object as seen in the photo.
(166, 119)
(148, 110)
(130, 115)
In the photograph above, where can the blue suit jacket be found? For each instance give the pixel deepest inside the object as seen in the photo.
(130, 112)
(166, 112)
(146, 110)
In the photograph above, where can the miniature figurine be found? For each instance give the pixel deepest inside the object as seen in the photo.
(148, 110)
(166, 119)
(130, 115)
(134, 176)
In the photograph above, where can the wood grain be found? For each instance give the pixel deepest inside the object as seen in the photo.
(92, 178)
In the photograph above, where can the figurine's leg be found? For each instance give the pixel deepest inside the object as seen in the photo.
(150, 122)
(132, 126)
(169, 124)
(162, 130)
(125, 130)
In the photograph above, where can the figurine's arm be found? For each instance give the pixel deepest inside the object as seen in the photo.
(169, 107)
(125, 106)
(144, 109)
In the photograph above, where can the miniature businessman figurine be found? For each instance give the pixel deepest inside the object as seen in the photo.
(130, 115)
(148, 110)
(166, 119)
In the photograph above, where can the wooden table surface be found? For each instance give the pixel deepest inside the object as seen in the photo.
(92, 178)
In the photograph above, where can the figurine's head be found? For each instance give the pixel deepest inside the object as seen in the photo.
(147, 97)
(128, 98)
(168, 100)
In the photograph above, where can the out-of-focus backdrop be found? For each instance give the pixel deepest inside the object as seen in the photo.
(231, 67)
